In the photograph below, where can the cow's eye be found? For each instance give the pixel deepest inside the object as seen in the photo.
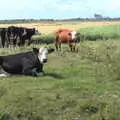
(69, 34)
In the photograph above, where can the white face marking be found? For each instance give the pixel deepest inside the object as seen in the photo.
(73, 34)
(37, 32)
(43, 54)
(24, 33)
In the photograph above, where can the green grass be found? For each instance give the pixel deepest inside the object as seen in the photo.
(101, 32)
(77, 86)
(43, 39)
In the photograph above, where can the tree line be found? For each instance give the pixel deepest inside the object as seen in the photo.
(97, 17)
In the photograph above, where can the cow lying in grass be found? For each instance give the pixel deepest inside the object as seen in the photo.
(28, 63)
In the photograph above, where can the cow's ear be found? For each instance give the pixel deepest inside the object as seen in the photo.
(50, 50)
(36, 50)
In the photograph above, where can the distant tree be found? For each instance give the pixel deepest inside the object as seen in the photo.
(98, 16)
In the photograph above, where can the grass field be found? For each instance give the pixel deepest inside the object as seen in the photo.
(101, 32)
(76, 86)
(50, 27)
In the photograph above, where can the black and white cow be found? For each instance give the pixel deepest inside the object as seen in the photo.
(28, 33)
(28, 63)
(14, 33)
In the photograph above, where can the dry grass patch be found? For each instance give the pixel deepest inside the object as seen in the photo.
(49, 27)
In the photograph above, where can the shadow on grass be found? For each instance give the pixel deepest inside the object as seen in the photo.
(54, 75)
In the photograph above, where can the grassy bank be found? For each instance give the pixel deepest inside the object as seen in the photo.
(77, 86)
(100, 32)
(87, 33)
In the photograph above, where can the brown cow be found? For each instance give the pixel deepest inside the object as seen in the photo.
(65, 36)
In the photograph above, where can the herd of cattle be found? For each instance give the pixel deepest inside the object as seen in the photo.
(31, 62)
(16, 35)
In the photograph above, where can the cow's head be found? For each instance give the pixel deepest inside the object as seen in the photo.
(43, 53)
(11, 32)
(73, 34)
(36, 32)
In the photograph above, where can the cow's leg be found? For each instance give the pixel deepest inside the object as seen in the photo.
(3, 42)
(70, 45)
(74, 46)
(14, 42)
(56, 43)
(22, 42)
(9, 41)
(56, 46)
(19, 40)
(6, 40)
(3, 73)
(28, 68)
(29, 41)
(29, 72)
(32, 72)
(40, 70)
(59, 45)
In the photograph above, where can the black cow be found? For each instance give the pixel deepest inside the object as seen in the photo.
(14, 33)
(28, 63)
(29, 32)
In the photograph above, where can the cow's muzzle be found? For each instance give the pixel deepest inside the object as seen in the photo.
(44, 60)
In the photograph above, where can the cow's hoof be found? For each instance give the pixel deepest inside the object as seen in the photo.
(41, 74)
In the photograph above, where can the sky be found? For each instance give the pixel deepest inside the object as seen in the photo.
(58, 9)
